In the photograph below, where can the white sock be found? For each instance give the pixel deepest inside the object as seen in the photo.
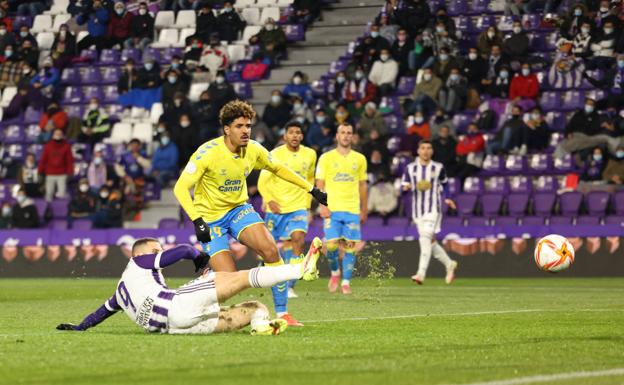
(345, 282)
(267, 276)
(335, 273)
(260, 317)
(440, 254)
(425, 255)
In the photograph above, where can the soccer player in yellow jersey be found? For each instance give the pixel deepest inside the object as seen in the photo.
(342, 173)
(217, 171)
(286, 205)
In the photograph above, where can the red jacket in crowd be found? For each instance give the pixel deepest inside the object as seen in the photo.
(57, 159)
(59, 120)
(524, 87)
(120, 26)
(470, 143)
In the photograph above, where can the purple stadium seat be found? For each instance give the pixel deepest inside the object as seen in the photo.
(75, 111)
(91, 75)
(457, 7)
(170, 52)
(399, 221)
(477, 222)
(540, 164)
(294, 32)
(520, 184)
(31, 133)
(618, 202)
(466, 204)
(169, 223)
(72, 95)
(452, 221)
(492, 165)
(36, 149)
(464, 24)
(394, 124)
(484, 22)
(129, 53)
(517, 204)
(572, 100)
(473, 185)
(614, 220)
(391, 102)
(453, 186)
(70, 76)
(110, 75)
(406, 86)
(337, 66)
(81, 151)
(89, 57)
(243, 90)
(109, 56)
(596, 202)
(93, 92)
(59, 208)
(22, 20)
(550, 101)
(491, 204)
(13, 134)
(32, 116)
(82, 224)
(532, 221)
(319, 88)
(532, 21)
(556, 120)
(58, 224)
(543, 203)
(570, 203)
(153, 53)
(110, 94)
(505, 221)
(462, 120)
(479, 6)
(588, 220)
(15, 151)
(564, 165)
(515, 164)
(560, 220)
(41, 205)
(546, 183)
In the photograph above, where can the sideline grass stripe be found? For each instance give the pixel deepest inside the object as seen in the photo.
(553, 377)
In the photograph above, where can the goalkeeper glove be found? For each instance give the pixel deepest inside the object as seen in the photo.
(320, 196)
(201, 261)
(201, 230)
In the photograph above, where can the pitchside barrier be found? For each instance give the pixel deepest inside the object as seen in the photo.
(482, 251)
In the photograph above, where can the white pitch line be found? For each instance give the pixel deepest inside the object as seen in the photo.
(466, 314)
(553, 377)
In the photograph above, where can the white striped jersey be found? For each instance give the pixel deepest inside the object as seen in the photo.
(427, 185)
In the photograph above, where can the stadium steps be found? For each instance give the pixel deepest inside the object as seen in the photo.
(345, 14)
(166, 207)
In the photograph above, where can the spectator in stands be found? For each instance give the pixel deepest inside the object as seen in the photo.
(538, 132)
(165, 161)
(300, 111)
(470, 151)
(452, 95)
(277, 112)
(184, 135)
(474, 69)
(25, 35)
(336, 89)
(418, 125)
(193, 50)
(29, 53)
(108, 209)
(413, 16)
(499, 87)
(305, 11)
(129, 77)
(272, 41)
(95, 123)
(603, 47)
(441, 119)
(359, 90)
(6, 216)
(181, 106)
(96, 18)
(524, 86)
(64, 47)
(371, 121)
(606, 13)
(495, 62)
(567, 70)
(5, 19)
(384, 73)
(487, 39)
(299, 86)
(320, 135)
(594, 166)
(54, 118)
(31, 8)
(29, 179)
(387, 30)
(57, 164)
(516, 45)
(149, 75)
(97, 172)
(178, 65)
(132, 168)
(582, 40)
(382, 198)
(401, 49)
(511, 138)
(374, 43)
(438, 37)
(214, 57)
(119, 26)
(585, 121)
(377, 143)
(425, 94)
(25, 215)
(614, 172)
(141, 29)
(6, 36)
(206, 22)
(341, 114)
(447, 21)
(512, 7)
(444, 150)
(207, 117)
(47, 80)
(613, 82)
(229, 23)
(82, 205)
(173, 85)
(9, 55)
(221, 91)
(574, 20)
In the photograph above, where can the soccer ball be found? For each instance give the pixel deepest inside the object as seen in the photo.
(554, 253)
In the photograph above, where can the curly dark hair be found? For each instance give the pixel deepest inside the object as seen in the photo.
(234, 110)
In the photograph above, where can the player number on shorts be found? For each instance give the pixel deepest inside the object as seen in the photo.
(215, 232)
(125, 295)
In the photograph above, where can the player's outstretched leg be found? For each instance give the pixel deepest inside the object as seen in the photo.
(423, 262)
(348, 262)
(440, 254)
(334, 266)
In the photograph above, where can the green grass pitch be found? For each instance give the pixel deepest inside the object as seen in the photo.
(477, 330)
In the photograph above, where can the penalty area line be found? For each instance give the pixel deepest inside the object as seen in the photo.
(553, 377)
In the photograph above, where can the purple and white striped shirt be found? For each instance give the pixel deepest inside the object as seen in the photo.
(428, 201)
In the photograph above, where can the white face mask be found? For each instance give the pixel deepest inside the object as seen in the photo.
(427, 77)
(444, 57)
(472, 56)
(2, 32)
(297, 106)
(93, 106)
(517, 29)
(504, 74)
(185, 123)
(104, 194)
(604, 9)
(297, 80)
(340, 79)
(383, 57)
(419, 119)
(359, 75)
(142, 12)
(276, 99)
(220, 80)
(84, 188)
(439, 29)
(608, 31)
(454, 77)
(491, 35)
(585, 30)
(526, 72)
(269, 27)
(97, 161)
(535, 116)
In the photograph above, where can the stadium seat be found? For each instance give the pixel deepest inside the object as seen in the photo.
(497, 184)
(284, 3)
(245, 3)
(491, 204)
(60, 20)
(110, 75)
(532, 221)
(564, 165)
(546, 183)
(540, 164)
(236, 53)
(570, 203)
(91, 92)
(614, 220)
(452, 221)
(110, 94)
(618, 202)
(58, 7)
(121, 133)
(91, 75)
(543, 203)
(82, 224)
(466, 204)
(265, 3)
(520, 184)
(144, 132)
(167, 38)
(58, 224)
(155, 113)
(515, 164)
(473, 185)
(59, 208)
(457, 7)
(7, 96)
(185, 19)
(597, 202)
(517, 204)
(168, 224)
(249, 31)
(269, 12)
(479, 6)
(186, 32)
(42, 23)
(196, 90)
(164, 19)
(492, 165)
(588, 220)
(560, 220)
(251, 16)
(131, 53)
(81, 35)
(45, 40)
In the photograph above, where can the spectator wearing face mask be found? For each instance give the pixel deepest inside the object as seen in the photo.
(54, 118)
(97, 19)
(336, 90)
(437, 38)
(606, 14)
(181, 106)
(57, 164)
(499, 88)
(82, 204)
(131, 169)
(386, 30)
(581, 41)
(207, 117)
(25, 35)
(425, 94)
(614, 171)
(474, 69)
(524, 86)
(470, 152)
(300, 111)
(9, 55)
(452, 95)
(299, 87)
(613, 82)
(64, 47)
(214, 57)
(444, 150)
(414, 16)
(487, 39)
(418, 125)
(206, 22)
(221, 91)
(6, 36)
(602, 47)
(516, 45)
(6, 216)
(320, 135)
(29, 53)
(184, 135)
(538, 131)
(120, 25)
(172, 85)
(277, 112)
(95, 124)
(595, 164)
(109, 211)
(359, 90)
(229, 23)
(584, 121)
(400, 50)
(511, 138)
(384, 73)
(149, 75)
(128, 79)
(271, 39)
(29, 179)
(165, 161)
(97, 172)
(572, 23)
(47, 80)
(305, 11)
(371, 120)
(24, 212)
(141, 29)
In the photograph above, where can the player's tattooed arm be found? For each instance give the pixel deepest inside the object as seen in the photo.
(109, 308)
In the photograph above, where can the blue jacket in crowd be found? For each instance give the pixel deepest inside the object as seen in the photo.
(166, 158)
(97, 22)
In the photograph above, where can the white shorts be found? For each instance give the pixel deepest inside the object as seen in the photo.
(428, 224)
(195, 307)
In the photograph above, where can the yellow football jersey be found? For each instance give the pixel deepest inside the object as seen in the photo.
(290, 197)
(342, 175)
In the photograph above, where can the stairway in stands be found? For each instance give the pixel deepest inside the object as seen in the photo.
(325, 41)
